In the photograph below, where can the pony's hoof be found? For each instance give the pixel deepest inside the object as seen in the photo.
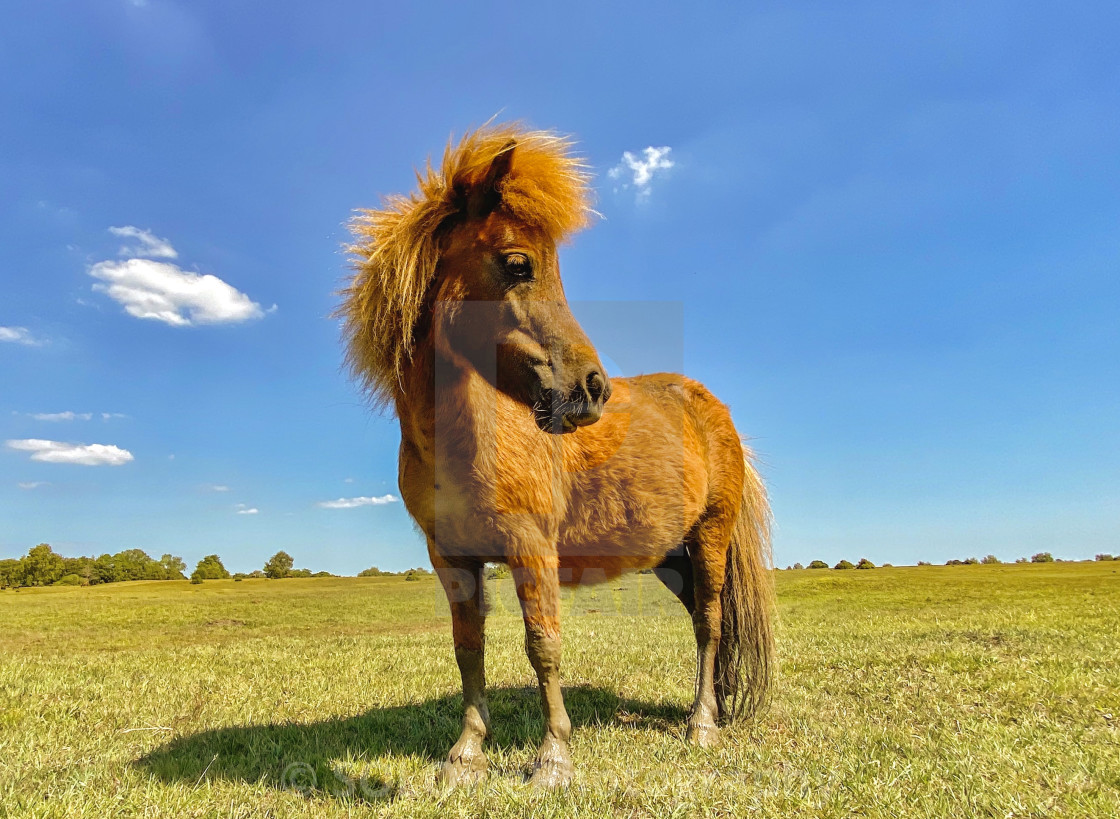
(553, 766)
(466, 766)
(703, 736)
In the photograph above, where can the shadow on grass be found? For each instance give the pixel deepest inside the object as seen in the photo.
(305, 756)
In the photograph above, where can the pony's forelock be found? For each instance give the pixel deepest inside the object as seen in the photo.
(395, 249)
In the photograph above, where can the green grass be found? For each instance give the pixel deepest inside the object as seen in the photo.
(955, 692)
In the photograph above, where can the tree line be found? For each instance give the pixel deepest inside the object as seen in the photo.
(864, 563)
(42, 566)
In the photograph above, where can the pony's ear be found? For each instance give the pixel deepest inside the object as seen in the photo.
(486, 194)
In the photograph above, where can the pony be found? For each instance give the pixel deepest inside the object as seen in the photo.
(516, 447)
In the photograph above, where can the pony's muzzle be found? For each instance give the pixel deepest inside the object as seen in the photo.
(582, 405)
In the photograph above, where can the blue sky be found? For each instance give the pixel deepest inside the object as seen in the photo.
(886, 234)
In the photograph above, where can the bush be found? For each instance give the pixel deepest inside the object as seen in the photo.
(864, 563)
(924, 563)
(818, 564)
(1104, 557)
(195, 580)
(844, 564)
(1021, 560)
(888, 565)
(971, 561)
(1042, 557)
(69, 580)
(239, 576)
(497, 571)
(990, 560)
(798, 566)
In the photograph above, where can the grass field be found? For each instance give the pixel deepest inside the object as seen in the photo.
(934, 691)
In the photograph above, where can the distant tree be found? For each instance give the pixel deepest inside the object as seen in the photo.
(1104, 557)
(864, 563)
(497, 571)
(372, 571)
(300, 573)
(844, 564)
(818, 564)
(41, 566)
(990, 560)
(924, 563)
(257, 573)
(210, 568)
(1042, 557)
(1021, 560)
(239, 576)
(971, 561)
(11, 573)
(279, 565)
(798, 566)
(322, 574)
(888, 565)
(174, 568)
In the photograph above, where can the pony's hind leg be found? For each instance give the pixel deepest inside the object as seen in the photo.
(462, 582)
(707, 549)
(675, 572)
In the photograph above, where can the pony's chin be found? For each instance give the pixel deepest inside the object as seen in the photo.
(563, 424)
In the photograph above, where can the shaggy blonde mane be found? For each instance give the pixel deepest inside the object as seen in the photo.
(396, 248)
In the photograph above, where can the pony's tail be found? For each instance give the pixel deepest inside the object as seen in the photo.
(745, 662)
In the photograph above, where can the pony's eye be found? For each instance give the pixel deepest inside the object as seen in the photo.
(518, 266)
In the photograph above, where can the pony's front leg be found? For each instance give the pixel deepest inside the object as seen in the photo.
(538, 589)
(462, 582)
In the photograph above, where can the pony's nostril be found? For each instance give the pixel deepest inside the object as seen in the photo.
(596, 386)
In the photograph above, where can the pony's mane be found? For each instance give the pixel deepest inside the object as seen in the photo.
(396, 248)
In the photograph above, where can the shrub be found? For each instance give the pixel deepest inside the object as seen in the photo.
(864, 563)
(818, 564)
(971, 561)
(239, 576)
(69, 580)
(1021, 560)
(497, 571)
(990, 560)
(372, 571)
(924, 563)
(844, 564)
(888, 565)
(798, 566)
(1042, 557)
(195, 579)
(1104, 557)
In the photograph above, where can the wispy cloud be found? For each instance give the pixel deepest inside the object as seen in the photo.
(19, 335)
(109, 416)
(57, 452)
(252, 510)
(353, 503)
(216, 487)
(638, 173)
(32, 484)
(62, 416)
(147, 243)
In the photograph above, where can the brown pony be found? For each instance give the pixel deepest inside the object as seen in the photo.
(517, 448)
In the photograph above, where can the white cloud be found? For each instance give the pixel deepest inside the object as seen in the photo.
(217, 487)
(640, 172)
(62, 416)
(250, 511)
(108, 416)
(56, 452)
(19, 335)
(147, 244)
(164, 292)
(32, 484)
(352, 503)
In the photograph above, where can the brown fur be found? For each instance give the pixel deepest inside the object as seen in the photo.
(662, 468)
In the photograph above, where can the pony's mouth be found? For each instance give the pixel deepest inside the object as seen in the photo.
(561, 417)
